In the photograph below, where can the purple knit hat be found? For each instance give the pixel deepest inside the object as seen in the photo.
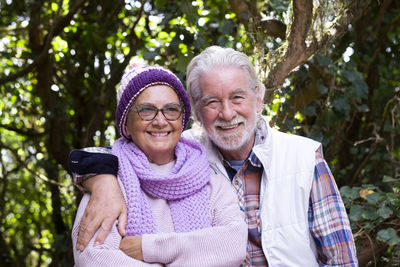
(139, 77)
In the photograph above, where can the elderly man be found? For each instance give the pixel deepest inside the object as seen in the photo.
(293, 208)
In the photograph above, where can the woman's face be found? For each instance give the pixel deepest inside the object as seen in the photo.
(156, 138)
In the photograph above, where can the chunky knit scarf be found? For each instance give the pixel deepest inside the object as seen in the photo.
(184, 188)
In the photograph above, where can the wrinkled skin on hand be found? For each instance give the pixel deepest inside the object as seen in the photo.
(132, 246)
(106, 205)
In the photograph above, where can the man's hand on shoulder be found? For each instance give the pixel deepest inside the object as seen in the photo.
(106, 205)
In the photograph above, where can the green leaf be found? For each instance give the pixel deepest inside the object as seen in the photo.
(323, 60)
(361, 88)
(393, 199)
(183, 61)
(385, 212)
(341, 104)
(370, 213)
(374, 198)
(150, 55)
(356, 212)
(188, 9)
(200, 42)
(389, 179)
(279, 5)
(310, 111)
(227, 27)
(160, 4)
(351, 193)
(54, 7)
(388, 236)
(349, 75)
(363, 108)
(321, 87)
(175, 42)
(222, 41)
(13, 99)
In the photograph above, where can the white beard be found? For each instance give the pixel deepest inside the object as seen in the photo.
(234, 141)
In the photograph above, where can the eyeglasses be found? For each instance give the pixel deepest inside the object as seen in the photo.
(148, 112)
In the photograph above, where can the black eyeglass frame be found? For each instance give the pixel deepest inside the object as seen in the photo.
(137, 107)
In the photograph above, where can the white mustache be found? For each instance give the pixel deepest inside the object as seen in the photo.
(236, 120)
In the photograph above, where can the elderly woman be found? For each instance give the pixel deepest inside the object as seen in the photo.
(179, 212)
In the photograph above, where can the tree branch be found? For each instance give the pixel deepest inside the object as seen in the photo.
(295, 44)
(26, 132)
(303, 42)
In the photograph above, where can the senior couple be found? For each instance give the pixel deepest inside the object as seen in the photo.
(232, 191)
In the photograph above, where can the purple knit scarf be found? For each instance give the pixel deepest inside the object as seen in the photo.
(184, 187)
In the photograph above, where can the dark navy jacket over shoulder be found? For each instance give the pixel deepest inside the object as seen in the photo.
(82, 162)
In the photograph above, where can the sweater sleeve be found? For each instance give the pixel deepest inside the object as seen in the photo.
(108, 254)
(224, 244)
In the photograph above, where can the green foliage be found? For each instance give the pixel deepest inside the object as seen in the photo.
(60, 64)
(375, 214)
(388, 236)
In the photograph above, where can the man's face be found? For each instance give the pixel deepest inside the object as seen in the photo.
(228, 110)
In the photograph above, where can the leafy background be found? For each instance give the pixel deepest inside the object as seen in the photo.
(60, 63)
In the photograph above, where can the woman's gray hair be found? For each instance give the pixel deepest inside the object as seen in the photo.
(219, 56)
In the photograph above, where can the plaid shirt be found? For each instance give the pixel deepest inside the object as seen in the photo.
(328, 221)
(246, 182)
(327, 218)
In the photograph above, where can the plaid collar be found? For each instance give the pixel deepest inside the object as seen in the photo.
(261, 136)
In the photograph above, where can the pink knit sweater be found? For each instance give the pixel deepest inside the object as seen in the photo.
(224, 244)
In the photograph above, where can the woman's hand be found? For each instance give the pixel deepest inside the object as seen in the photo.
(132, 246)
(106, 205)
